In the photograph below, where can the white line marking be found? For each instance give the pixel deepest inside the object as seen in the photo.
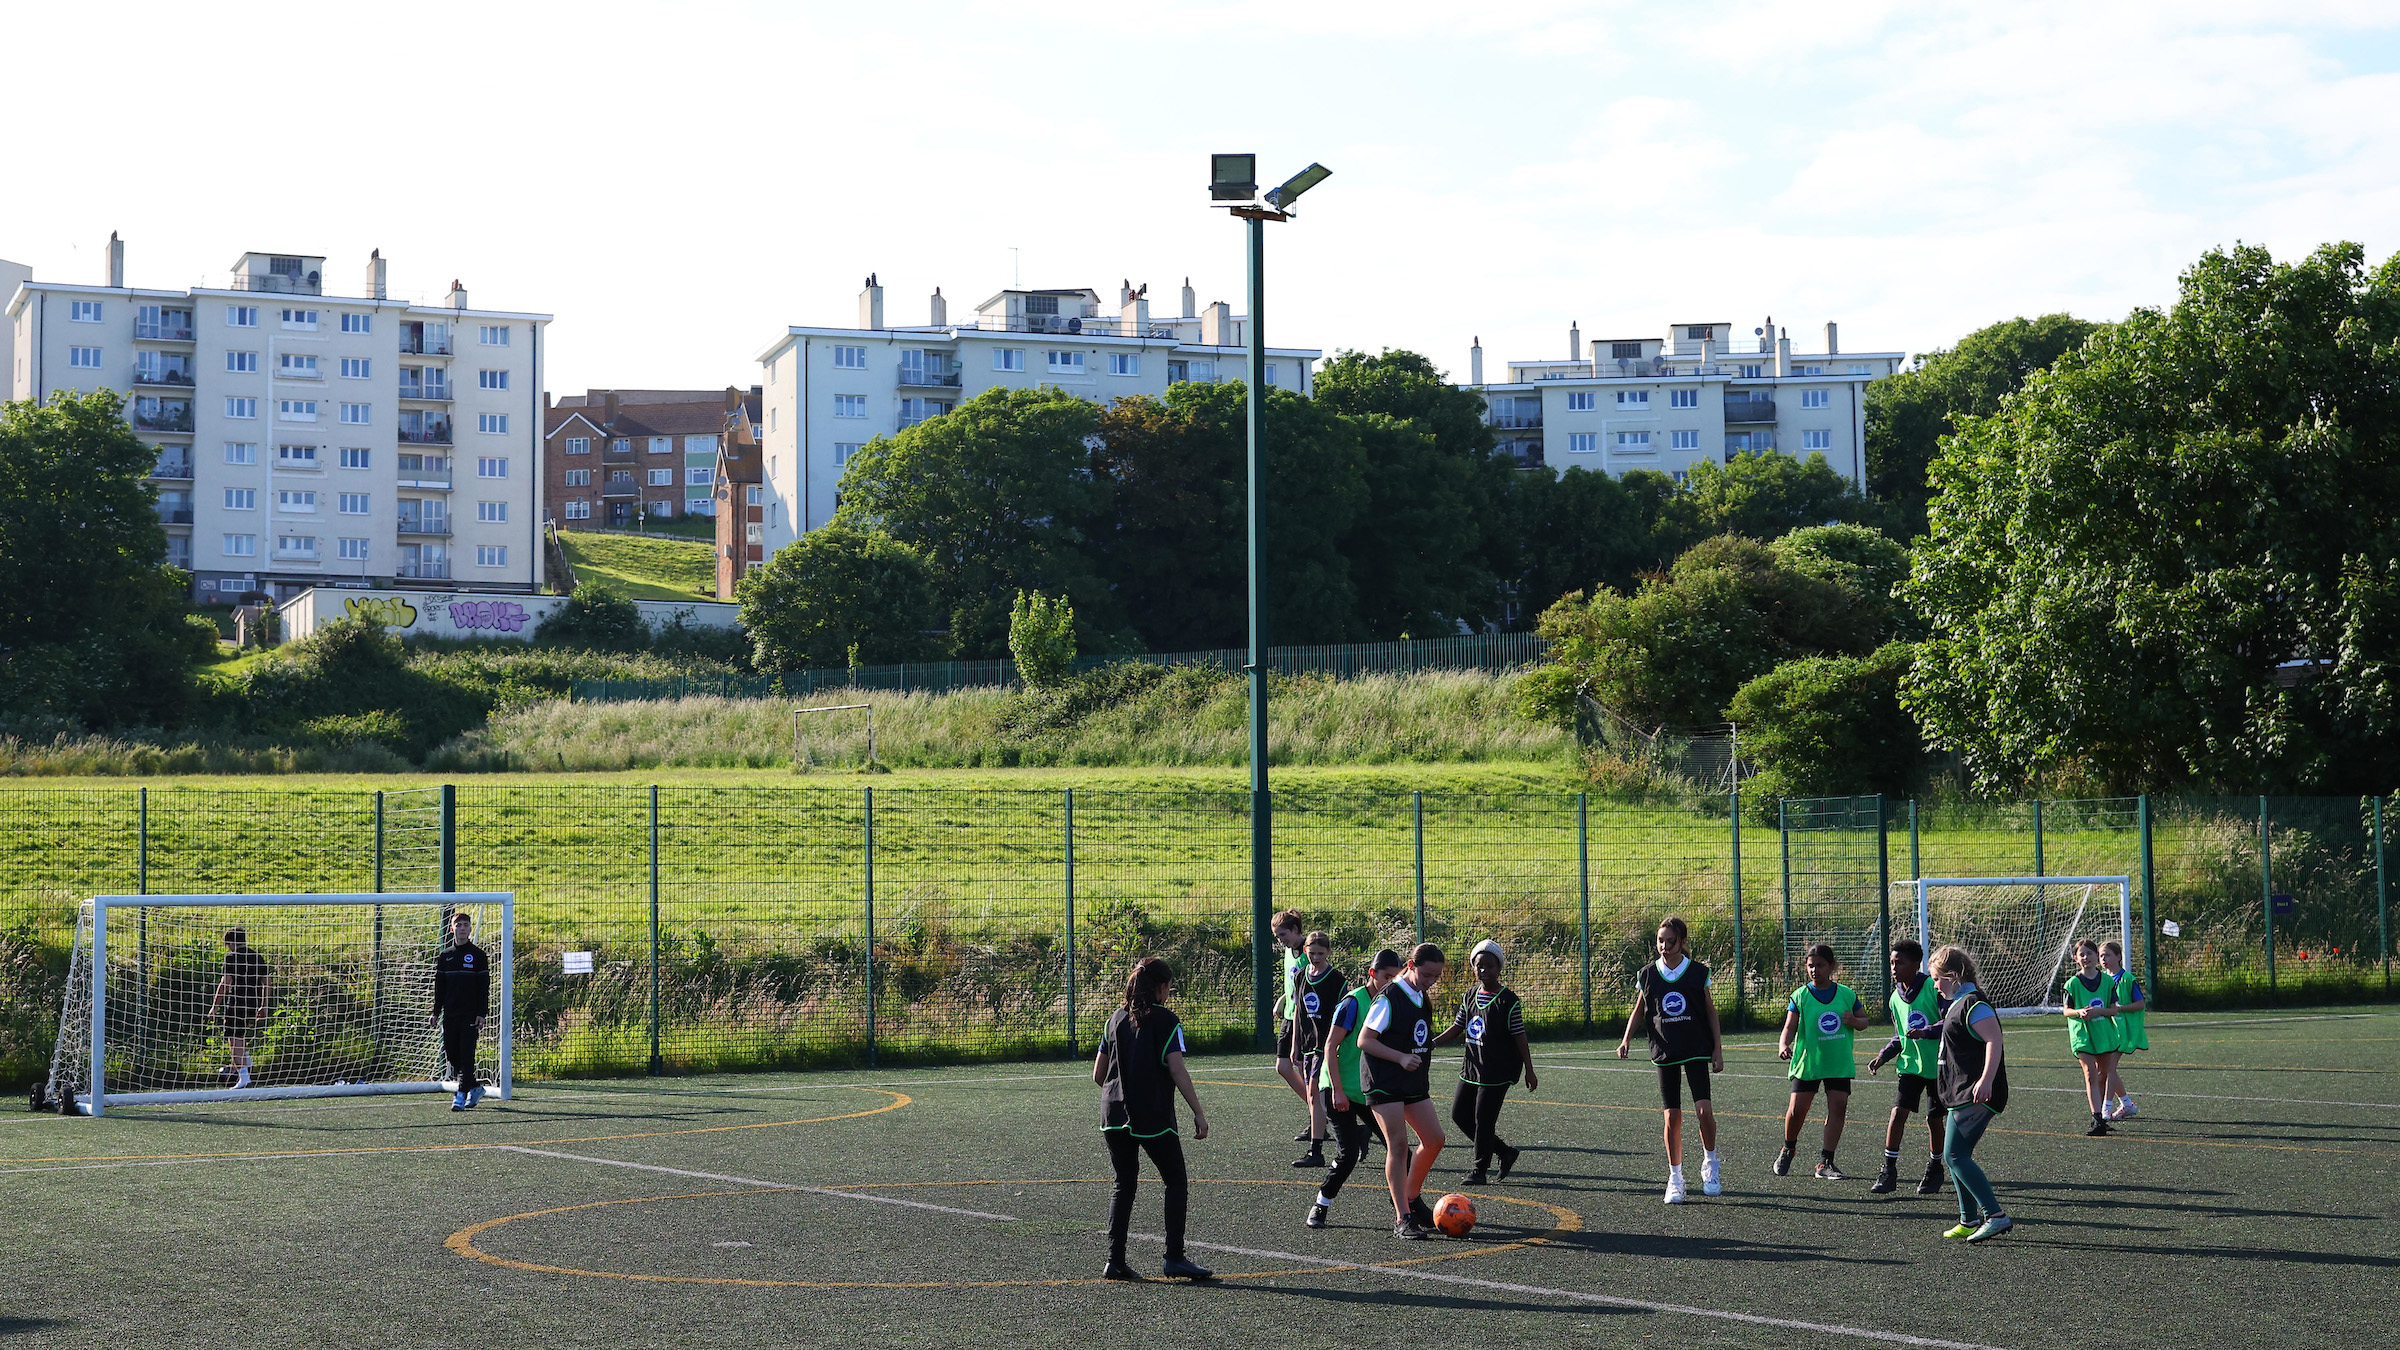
(2021, 1087)
(2257, 1021)
(765, 1185)
(1413, 1273)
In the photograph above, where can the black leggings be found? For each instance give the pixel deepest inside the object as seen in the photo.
(1351, 1130)
(459, 1035)
(1476, 1110)
(1125, 1155)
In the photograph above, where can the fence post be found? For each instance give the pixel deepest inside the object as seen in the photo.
(1783, 832)
(449, 844)
(375, 980)
(2383, 913)
(2266, 891)
(1420, 830)
(1583, 876)
(1916, 865)
(1072, 1052)
(141, 843)
(657, 1063)
(1883, 887)
(1741, 985)
(2041, 894)
(2149, 906)
(870, 842)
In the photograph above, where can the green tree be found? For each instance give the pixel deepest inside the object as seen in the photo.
(1909, 413)
(1041, 636)
(1758, 496)
(1860, 559)
(839, 590)
(596, 617)
(1824, 726)
(94, 626)
(997, 495)
(1582, 531)
(2123, 559)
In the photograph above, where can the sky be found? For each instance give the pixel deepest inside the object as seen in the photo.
(676, 183)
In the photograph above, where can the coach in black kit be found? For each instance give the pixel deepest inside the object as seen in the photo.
(462, 996)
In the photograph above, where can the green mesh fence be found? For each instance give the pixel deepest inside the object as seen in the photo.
(743, 927)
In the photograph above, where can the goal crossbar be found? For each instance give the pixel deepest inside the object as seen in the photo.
(2046, 962)
(97, 1099)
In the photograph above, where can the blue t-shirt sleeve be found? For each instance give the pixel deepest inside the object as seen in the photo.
(1983, 1013)
(1346, 1016)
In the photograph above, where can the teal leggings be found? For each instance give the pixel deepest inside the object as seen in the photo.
(1976, 1202)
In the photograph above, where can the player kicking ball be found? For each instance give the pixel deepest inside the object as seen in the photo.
(462, 998)
(1917, 1006)
(1395, 1041)
(1686, 1043)
(1820, 1038)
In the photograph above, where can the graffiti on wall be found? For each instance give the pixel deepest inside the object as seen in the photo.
(390, 611)
(505, 616)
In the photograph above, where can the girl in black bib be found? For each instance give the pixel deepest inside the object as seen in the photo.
(1139, 1070)
(1491, 1021)
(1673, 996)
(1396, 1042)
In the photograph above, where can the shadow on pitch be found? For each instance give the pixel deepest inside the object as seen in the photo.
(2277, 1256)
(20, 1326)
(437, 1115)
(1675, 1248)
(1402, 1300)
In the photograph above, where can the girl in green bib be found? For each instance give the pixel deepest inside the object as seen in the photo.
(2133, 1002)
(2089, 1002)
(1820, 1035)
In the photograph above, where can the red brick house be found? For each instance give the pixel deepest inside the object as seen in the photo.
(620, 458)
(741, 512)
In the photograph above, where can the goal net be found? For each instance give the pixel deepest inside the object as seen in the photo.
(321, 995)
(2021, 931)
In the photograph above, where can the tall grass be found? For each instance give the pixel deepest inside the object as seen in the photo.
(1183, 719)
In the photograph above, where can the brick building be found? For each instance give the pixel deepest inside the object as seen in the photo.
(741, 504)
(615, 456)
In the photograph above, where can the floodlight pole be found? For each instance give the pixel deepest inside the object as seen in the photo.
(1262, 809)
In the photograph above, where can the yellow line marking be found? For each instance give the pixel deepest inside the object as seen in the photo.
(462, 1242)
(899, 1099)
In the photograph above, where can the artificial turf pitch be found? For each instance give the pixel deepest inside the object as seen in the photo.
(2252, 1203)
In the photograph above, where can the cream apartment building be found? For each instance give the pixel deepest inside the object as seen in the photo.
(307, 438)
(1700, 392)
(828, 391)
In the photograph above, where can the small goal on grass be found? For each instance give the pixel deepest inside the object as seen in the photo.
(2021, 931)
(343, 1006)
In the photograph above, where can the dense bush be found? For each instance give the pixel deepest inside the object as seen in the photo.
(597, 617)
(1041, 639)
(1830, 726)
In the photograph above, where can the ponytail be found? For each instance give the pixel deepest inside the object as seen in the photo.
(1145, 985)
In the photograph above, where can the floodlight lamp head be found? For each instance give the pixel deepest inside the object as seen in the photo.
(1232, 178)
(1283, 197)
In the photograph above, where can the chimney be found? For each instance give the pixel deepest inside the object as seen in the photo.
(116, 261)
(1783, 355)
(1216, 326)
(733, 399)
(1766, 335)
(1833, 339)
(870, 304)
(1574, 341)
(1708, 350)
(375, 275)
(1475, 363)
(607, 399)
(1136, 312)
(458, 294)
(940, 309)
(1188, 298)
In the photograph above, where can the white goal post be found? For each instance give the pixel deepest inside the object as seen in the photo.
(2021, 931)
(331, 995)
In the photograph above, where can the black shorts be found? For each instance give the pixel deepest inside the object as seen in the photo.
(1284, 1040)
(1378, 1097)
(1672, 1077)
(1840, 1085)
(1914, 1086)
(243, 1021)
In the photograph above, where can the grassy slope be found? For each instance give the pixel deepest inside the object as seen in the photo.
(648, 568)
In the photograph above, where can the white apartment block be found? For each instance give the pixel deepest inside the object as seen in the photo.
(1699, 393)
(829, 391)
(308, 439)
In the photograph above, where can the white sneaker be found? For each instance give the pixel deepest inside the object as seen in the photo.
(2126, 1110)
(1675, 1188)
(1712, 1177)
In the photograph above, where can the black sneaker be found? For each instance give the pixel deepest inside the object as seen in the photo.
(1934, 1172)
(1887, 1180)
(1407, 1231)
(1177, 1268)
(1508, 1160)
(1420, 1213)
(2099, 1127)
(1313, 1158)
(1316, 1216)
(1783, 1161)
(1116, 1269)
(1478, 1177)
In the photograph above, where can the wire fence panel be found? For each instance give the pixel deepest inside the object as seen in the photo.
(1165, 874)
(1507, 868)
(62, 846)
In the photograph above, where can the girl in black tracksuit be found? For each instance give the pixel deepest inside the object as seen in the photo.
(1139, 1070)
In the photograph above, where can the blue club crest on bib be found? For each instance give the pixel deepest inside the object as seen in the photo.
(1475, 1029)
(1420, 1035)
(1309, 1001)
(469, 958)
(1671, 1004)
(1829, 1024)
(1917, 1020)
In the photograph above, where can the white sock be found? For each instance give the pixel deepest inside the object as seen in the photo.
(244, 1080)
(1710, 1154)
(1675, 1171)
(1321, 1200)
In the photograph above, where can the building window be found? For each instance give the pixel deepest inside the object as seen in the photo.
(1858, 370)
(494, 424)
(579, 445)
(491, 379)
(492, 513)
(354, 550)
(841, 455)
(753, 495)
(491, 466)
(770, 419)
(296, 502)
(241, 452)
(662, 509)
(662, 445)
(241, 499)
(621, 476)
(1069, 363)
(700, 475)
(1816, 440)
(1624, 351)
(1753, 372)
(242, 363)
(1683, 398)
(1686, 440)
(1579, 402)
(296, 409)
(241, 316)
(1633, 442)
(355, 414)
(303, 319)
(1008, 358)
(1633, 398)
(352, 503)
(579, 510)
(699, 445)
(358, 323)
(662, 478)
(1583, 442)
(621, 446)
(1682, 477)
(1812, 370)
(495, 335)
(491, 555)
(1816, 398)
(357, 368)
(579, 478)
(1699, 332)
(850, 358)
(85, 311)
(241, 546)
(849, 405)
(1124, 363)
(1270, 376)
(297, 367)
(699, 506)
(754, 533)
(84, 358)
(241, 408)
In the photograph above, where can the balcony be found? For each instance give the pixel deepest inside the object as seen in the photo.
(911, 378)
(293, 555)
(1749, 410)
(174, 515)
(1066, 326)
(150, 415)
(433, 525)
(433, 433)
(173, 466)
(181, 379)
(626, 491)
(414, 345)
(426, 393)
(165, 331)
(1531, 421)
(441, 484)
(425, 571)
(277, 283)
